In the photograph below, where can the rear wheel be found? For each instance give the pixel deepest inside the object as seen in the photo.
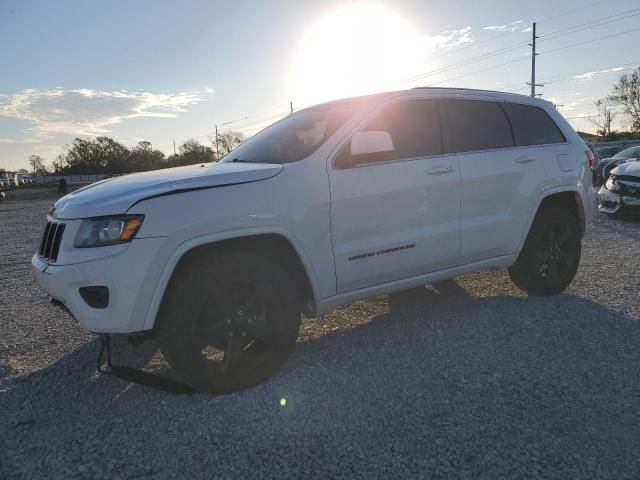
(229, 321)
(551, 254)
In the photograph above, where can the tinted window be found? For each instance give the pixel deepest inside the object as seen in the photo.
(478, 125)
(532, 125)
(414, 128)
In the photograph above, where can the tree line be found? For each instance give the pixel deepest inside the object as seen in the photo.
(103, 154)
(625, 94)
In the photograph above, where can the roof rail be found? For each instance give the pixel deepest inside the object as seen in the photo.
(462, 88)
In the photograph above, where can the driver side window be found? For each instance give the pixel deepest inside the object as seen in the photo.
(414, 127)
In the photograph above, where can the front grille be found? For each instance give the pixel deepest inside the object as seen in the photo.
(51, 239)
(628, 190)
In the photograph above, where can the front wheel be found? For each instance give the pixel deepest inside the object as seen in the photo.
(551, 254)
(229, 321)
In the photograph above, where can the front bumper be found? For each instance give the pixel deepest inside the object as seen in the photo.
(131, 276)
(612, 203)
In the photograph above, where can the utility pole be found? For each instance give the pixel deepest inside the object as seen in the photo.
(533, 63)
(217, 155)
(174, 146)
(291, 107)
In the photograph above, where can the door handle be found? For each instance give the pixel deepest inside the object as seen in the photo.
(439, 170)
(525, 159)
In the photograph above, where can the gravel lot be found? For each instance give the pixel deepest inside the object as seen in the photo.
(467, 379)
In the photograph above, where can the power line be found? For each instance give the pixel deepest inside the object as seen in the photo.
(263, 121)
(474, 44)
(466, 62)
(590, 41)
(573, 10)
(553, 35)
(479, 71)
(569, 76)
(587, 25)
(586, 116)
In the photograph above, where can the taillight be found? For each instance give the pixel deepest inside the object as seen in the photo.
(590, 157)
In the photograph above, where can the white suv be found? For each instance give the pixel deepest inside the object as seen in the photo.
(334, 203)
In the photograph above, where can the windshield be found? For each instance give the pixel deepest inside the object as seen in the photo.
(296, 136)
(628, 153)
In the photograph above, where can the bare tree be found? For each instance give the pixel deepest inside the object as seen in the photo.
(37, 164)
(603, 119)
(627, 94)
(227, 142)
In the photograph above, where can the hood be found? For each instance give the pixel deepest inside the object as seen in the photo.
(116, 195)
(631, 169)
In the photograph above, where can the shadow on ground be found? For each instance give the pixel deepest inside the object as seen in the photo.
(442, 385)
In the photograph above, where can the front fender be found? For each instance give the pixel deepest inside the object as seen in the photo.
(188, 245)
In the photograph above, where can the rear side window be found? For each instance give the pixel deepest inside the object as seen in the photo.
(532, 125)
(477, 125)
(414, 127)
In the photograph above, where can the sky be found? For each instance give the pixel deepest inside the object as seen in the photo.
(160, 70)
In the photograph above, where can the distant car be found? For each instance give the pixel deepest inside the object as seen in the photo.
(606, 166)
(25, 179)
(608, 152)
(621, 191)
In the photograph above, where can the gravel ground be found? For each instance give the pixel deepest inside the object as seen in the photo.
(465, 379)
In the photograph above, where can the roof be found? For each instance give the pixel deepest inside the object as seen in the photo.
(444, 90)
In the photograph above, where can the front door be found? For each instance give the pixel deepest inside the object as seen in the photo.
(396, 216)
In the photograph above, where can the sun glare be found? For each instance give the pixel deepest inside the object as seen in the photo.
(355, 50)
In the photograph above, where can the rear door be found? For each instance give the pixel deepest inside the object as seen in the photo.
(396, 216)
(499, 180)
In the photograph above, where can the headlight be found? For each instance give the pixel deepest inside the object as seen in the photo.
(101, 232)
(611, 184)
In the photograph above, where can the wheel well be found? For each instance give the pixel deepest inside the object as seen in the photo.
(569, 201)
(274, 246)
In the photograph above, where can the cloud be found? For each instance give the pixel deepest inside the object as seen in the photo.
(85, 111)
(509, 27)
(452, 38)
(590, 75)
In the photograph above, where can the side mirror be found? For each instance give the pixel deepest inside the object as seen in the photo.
(367, 143)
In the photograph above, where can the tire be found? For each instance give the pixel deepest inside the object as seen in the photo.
(551, 254)
(228, 321)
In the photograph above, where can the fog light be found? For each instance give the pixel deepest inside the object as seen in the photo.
(95, 297)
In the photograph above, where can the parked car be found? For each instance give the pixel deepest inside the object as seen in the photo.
(608, 152)
(334, 203)
(621, 192)
(606, 166)
(25, 179)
